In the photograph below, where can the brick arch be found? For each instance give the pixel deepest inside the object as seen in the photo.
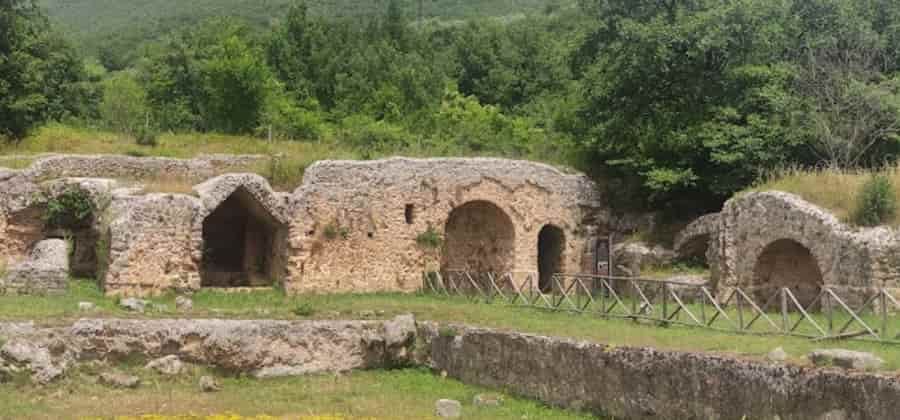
(479, 236)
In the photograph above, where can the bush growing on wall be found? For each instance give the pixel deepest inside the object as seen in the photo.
(72, 208)
(877, 203)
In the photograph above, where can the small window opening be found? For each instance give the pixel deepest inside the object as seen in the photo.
(410, 214)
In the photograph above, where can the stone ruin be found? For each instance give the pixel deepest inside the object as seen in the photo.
(376, 226)
(352, 226)
(768, 240)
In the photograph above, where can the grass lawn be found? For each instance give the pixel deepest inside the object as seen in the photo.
(398, 394)
(273, 304)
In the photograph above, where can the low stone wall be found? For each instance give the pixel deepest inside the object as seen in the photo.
(260, 348)
(629, 383)
(128, 167)
(640, 383)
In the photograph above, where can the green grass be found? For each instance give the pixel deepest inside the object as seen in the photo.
(398, 394)
(56, 310)
(835, 190)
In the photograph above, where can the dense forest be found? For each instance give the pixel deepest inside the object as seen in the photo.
(675, 104)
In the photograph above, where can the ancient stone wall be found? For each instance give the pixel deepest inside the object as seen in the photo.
(258, 348)
(363, 226)
(351, 226)
(766, 240)
(642, 383)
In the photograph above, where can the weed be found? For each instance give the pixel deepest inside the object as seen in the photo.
(430, 239)
(304, 309)
(447, 331)
(332, 231)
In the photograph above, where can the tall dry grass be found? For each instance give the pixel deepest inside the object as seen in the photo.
(834, 189)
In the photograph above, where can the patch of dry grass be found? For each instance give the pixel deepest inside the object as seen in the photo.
(15, 162)
(289, 159)
(167, 185)
(834, 189)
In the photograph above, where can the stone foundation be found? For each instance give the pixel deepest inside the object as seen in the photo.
(640, 383)
(622, 382)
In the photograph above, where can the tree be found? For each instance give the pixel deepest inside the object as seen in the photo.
(124, 106)
(690, 99)
(41, 77)
(852, 107)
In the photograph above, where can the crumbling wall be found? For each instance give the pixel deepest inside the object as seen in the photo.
(363, 226)
(775, 239)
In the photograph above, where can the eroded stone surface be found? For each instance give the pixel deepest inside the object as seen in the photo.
(45, 271)
(846, 359)
(641, 383)
(259, 348)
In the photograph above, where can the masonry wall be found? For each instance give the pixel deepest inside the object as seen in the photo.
(352, 229)
(642, 383)
(760, 232)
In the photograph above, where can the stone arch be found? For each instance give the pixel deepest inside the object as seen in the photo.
(240, 243)
(551, 244)
(786, 263)
(240, 234)
(693, 243)
(479, 237)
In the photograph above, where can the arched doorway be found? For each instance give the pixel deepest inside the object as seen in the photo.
(551, 242)
(480, 238)
(239, 244)
(786, 263)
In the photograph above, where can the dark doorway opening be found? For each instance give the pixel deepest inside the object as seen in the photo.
(239, 244)
(551, 241)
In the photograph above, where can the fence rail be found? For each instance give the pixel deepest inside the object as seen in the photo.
(821, 315)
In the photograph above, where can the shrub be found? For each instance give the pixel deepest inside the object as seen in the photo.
(876, 203)
(147, 137)
(73, 208)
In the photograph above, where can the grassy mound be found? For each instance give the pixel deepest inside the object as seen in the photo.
(836, 190)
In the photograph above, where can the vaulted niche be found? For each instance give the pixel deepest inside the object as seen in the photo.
(240, 244)
(480, 238)
(787, 264)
